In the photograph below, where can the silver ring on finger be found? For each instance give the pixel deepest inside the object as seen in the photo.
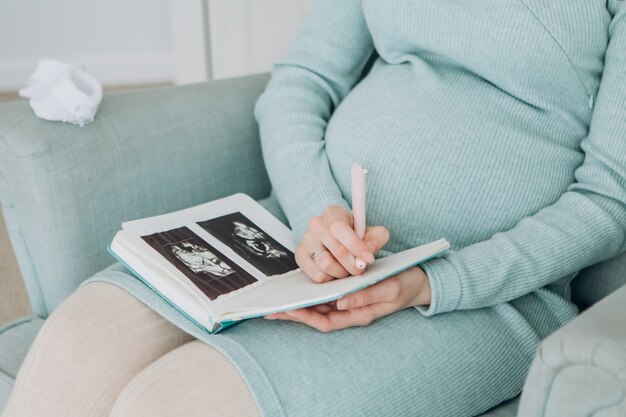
(317, 252)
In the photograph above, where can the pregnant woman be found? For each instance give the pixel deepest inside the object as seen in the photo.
(500, 125)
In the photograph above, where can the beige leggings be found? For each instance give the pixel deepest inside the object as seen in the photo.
(104, 353)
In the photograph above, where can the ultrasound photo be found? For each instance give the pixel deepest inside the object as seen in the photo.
(212, 272)
(251, 243)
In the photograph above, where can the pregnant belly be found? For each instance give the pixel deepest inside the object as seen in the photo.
(442, 163)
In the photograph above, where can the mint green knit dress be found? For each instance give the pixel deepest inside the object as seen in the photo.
(497, 124)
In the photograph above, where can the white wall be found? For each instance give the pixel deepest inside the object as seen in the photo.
(147, 41)
(118, 41)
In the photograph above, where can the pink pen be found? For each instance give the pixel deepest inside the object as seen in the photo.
(358, 205)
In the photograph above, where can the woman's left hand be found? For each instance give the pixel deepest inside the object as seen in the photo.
(406, 289)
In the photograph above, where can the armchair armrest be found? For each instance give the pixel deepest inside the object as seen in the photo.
(580, 370)
(65, 190)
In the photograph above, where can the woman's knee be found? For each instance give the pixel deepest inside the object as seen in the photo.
(90, 348)
(87, 352)
(101, 321)
(193, 380)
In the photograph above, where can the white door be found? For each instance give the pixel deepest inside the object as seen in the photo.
(214, 39)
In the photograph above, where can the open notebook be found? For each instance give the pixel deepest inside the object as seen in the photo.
(230, 259)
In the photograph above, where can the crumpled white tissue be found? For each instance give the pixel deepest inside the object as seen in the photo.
(62, 92)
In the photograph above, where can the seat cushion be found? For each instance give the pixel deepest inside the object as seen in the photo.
(15, 340)
(506, 409)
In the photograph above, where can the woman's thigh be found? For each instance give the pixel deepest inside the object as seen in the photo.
(87, 352)
(193, 380)
(456, 364)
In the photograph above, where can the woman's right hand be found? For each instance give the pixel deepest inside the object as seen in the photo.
(330, 246)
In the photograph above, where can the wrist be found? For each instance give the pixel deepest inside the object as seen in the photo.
(423, 296)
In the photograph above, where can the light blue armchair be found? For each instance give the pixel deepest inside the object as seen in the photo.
(66, 190)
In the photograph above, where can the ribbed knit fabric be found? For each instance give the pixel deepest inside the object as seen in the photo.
(484, 122)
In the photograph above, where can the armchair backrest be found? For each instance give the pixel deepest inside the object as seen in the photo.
(597, 281)
(65, 190)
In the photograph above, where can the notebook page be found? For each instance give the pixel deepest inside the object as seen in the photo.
(298, 290)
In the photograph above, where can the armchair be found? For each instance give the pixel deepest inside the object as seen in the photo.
(66, 190)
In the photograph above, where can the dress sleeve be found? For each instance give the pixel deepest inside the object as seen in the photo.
(585, 226)
(325, 62)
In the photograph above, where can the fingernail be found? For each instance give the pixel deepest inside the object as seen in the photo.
(367, 257)
(289, 313)
(372, 245)
(270, 317)
(360, 263)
